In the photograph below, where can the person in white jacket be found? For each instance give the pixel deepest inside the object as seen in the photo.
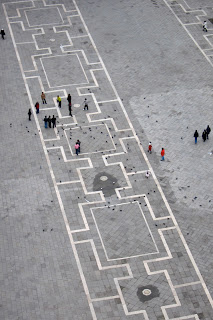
(205, 26)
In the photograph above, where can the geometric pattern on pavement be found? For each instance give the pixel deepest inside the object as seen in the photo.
(109, 247)
(116, 234)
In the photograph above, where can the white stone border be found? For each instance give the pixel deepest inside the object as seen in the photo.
(188, 32)
(73, 245)
(18, 9)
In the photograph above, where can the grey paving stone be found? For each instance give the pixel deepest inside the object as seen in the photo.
(52, 261)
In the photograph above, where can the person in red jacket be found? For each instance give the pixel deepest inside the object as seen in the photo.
(37, 107)
(150, 147)
(162, 154)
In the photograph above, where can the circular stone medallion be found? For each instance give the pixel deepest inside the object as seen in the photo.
(76, 105)
(52, 40)
(146, 292)
(103, 178)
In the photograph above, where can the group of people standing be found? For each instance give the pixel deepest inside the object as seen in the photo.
(44, 101)
(205, 134)
(69, 99)
(49, 121)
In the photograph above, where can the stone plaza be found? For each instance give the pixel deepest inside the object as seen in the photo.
(90, 236)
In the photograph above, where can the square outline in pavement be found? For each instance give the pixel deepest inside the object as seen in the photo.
(43, 24)
(69, 84)
(102, 242)
(98, 125)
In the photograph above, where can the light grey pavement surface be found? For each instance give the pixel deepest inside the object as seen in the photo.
(89, 236)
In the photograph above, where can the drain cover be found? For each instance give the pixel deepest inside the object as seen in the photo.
(103, 178)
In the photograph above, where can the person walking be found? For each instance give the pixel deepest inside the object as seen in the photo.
(77, 148)
(29, 114)
(85, 104)
(2, 33)
(196, 135)
(204, 135)
(59, 101)
(79, 143)
(43, 98)
(205, 26)
(54, 121)
(150, 148)
(69, 99)
(208, 130)
(49, 121)
(45, 122)
(162, 154)
(37, 107)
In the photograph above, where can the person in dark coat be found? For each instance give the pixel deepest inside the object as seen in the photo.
(69, 99)
(54, 121)
(45, 122)
(2, 33)
(29, 114)
(79, 143)
(196, 135)
(208, 130)
(204, 135)
(49, 121)
(85, 104)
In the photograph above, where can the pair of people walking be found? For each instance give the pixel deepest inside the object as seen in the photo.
(69, 99)
(49, 122)
(162, 152)
(205, 134)
(77, 147)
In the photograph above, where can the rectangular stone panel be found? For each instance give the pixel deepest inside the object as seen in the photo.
(63, 70)
(43, 16)
(94, 138)
(124, 231)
